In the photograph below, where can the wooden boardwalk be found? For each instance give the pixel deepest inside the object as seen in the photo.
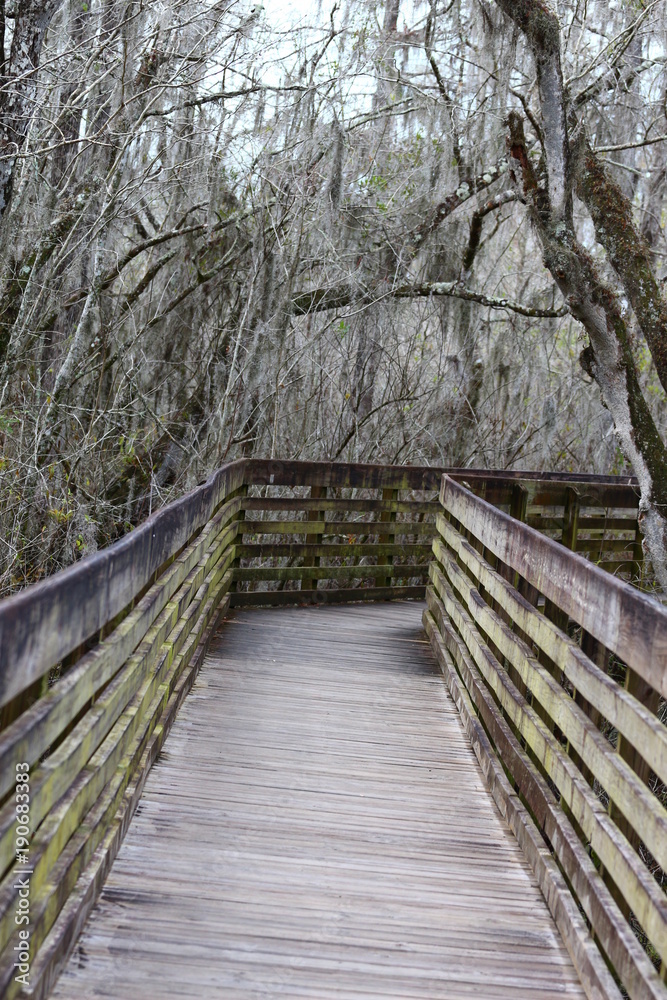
(317, 826)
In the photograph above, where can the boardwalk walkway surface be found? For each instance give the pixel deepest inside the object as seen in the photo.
(317, 826)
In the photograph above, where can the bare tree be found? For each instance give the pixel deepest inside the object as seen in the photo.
(233, 231)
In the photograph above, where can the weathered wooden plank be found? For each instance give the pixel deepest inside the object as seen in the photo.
(309, 582)
(549, 497)
(651, 699)
(587, 523)
(353, 505)
(281, 598)
(630, 623)
(357, 572)
(37, 626)
(606, 545)
(351, 528)
(626, 954)
(331, 550)
(275, 472)
(278, 527)
(615, 564)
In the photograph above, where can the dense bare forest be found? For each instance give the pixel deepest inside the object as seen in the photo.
(419, 232)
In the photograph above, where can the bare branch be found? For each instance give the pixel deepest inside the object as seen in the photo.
(323, 299)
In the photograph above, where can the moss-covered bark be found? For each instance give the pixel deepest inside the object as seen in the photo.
(26, 268)
(628, 254)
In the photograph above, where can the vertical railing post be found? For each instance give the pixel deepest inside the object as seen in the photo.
(571, 518)
(240, 517)
(316, 493)
(638, 556)
(569, 540)
(518, 510)
(387, 517)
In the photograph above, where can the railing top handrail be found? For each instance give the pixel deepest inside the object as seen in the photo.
(630, 623)
(416, 477)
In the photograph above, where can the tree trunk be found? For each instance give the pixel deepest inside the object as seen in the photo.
(608, 357)
(19, 86)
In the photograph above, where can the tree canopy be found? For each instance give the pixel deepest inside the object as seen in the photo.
(420, 232)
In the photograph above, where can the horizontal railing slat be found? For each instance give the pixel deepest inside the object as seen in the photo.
(354, 505)
(598, 524)
(331, 550)
(351, 475)
(357, 572)
(270, 527)
(343, 595)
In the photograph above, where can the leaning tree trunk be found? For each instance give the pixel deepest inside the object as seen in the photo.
(19, 85)
(608, 357)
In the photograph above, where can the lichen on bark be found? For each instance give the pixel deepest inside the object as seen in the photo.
(628, 253)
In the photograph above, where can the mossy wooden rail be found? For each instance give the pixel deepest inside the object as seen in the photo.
(558, 670)
(97, 660)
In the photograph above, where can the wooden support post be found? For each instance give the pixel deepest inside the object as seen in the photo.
(518, 510)
(569, 540)
(316, 493)
(387, 516)
(519, 502)
(590, 646)
(242, 491)
(571, 519)
(638, 558)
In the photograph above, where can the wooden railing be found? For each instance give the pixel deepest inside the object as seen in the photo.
(559, 672)
(321, 532)
(96, 660)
